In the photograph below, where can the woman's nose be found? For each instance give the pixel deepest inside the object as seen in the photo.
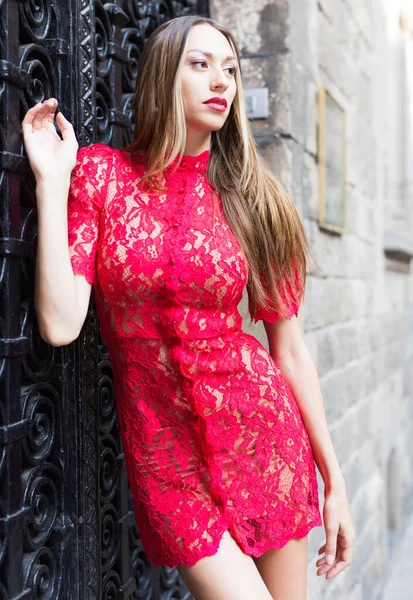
(219, 80)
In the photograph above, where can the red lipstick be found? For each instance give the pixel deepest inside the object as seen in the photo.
(216, 103)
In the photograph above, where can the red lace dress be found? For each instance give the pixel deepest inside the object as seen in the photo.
(212, 435)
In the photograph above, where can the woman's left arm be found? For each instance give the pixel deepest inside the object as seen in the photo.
(289, 351)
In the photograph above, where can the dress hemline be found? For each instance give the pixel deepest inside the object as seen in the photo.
(215, 544)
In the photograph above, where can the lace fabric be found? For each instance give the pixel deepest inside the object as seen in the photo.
(212, 434)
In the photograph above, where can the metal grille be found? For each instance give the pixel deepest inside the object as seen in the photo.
(67, 528)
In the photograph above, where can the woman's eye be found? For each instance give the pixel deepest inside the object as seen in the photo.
(204, 63)
(199, 62)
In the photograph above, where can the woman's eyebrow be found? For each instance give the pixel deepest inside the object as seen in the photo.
(230, 57)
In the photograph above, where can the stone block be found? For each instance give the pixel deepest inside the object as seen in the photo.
(278, 156)
(304, 111)
(338, 587)
(408, 327)
(224, 13)
(395, 489)
(350, 431)
(346, 256)
(371, 584)
(274, 27)
(303, 35)
(356, 592)
(253, 75)
(315, 585)
(356, 212)
(368, 500)
(259, 27)
(328, 50)
(364, 548)
(361, 154)
(325, 352)
(276, 74)
(343, 388)
(328, 9)
(330, 301)
(359, 468)
(362, 14)
(350, 341)
(304, 182)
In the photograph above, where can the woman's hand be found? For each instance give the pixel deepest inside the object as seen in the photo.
(340, 535)
(50, 157)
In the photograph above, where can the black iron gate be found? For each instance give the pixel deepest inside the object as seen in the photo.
(67, 528)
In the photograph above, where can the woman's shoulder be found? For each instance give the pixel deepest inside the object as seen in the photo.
(96, 150)
(101, 160)
(101, 163)
(93, 165)
(106, 153)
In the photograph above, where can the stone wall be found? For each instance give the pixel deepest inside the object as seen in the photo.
(357, 315)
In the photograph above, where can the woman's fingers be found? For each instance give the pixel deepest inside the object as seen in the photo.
(331, 544)
(336, 569)
(28, 118)
(33, 119)
(48, 107)
(343, 559)
(52, 103)
(65, 127)
(39, 116)
(324, 567)
(45, 114)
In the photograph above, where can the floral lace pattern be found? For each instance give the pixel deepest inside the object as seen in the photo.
(212, 434)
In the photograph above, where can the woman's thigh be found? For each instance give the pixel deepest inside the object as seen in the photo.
(227, 575)
(284, 570)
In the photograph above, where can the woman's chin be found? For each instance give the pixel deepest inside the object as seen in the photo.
(212, 123)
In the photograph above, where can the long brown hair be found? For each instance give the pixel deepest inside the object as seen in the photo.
(257, 208)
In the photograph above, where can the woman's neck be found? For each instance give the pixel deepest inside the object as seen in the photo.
(197, 142)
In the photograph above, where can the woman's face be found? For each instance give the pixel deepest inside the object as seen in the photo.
(208, 72)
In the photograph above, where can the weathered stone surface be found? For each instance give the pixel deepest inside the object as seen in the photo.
(333, 300)
(357, 313)
(278, 156)
(356, 593)
(303, 35)
(400, 576)
(303, 101)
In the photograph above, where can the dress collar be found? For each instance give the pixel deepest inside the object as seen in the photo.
(197, 163)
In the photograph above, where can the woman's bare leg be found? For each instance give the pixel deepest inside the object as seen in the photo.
(284, 571)
(227, 575)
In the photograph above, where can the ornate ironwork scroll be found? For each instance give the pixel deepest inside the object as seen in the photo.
(67, 527)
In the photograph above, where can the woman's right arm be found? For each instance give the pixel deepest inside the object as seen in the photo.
(61, 298)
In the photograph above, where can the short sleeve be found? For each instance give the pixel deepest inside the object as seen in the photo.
(292, 301)
(87, 192)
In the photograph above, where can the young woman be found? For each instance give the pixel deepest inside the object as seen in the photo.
(219, 435)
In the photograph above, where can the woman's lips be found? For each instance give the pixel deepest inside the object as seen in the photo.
(218, 107)
(217, 103)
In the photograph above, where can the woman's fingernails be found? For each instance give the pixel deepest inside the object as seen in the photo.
(330, 559)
